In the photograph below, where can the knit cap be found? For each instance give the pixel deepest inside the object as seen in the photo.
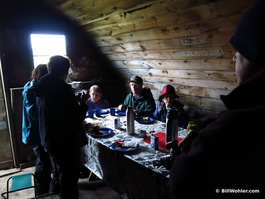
(168, 90)
(249, 38)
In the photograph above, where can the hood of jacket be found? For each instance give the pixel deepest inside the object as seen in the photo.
(146, 92)
(28, 86)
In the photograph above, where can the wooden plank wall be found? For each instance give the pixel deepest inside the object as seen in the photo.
(180, 42)
(6, 157)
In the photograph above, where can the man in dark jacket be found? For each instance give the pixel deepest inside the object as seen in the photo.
(60, 119)
(140, 99)
(227, 158)
(30, 135)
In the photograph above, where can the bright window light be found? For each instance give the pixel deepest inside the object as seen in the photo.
(44, 46)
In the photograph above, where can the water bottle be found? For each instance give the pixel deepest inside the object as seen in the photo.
(171, 127)
(130, 121)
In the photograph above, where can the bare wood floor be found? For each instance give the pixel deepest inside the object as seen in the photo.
(87, 189)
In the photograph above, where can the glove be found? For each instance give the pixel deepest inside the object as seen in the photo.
(192, 131)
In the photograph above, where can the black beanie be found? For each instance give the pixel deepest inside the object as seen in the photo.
(249, 38)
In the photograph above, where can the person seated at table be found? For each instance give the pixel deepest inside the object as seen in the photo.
(140, 99)
(168, 100)
(96, 101)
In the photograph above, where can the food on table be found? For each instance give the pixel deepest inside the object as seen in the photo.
(92, 128)
(96, 129)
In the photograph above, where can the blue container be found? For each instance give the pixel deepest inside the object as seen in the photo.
(98, 111)
(154, 142)
(91, 113)
(112, 111)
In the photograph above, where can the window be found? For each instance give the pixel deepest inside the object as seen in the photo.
(44, 46)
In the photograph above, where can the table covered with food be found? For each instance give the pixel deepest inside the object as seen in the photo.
(130, 164)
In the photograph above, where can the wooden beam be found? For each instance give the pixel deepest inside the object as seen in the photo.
(187, 74)
(196, 64)
(189, 53)
(222, 85)
(216, 25)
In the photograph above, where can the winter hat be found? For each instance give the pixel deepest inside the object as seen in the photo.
(136, 79)
(249, 38)
(169, 90)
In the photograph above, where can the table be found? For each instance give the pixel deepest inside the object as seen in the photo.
(131, 174)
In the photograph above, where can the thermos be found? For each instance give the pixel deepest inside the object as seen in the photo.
(171, 127)
(130, 121)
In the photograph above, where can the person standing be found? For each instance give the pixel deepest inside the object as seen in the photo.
(30, 136)
(140, 99)
(227, 157)
(60, 118)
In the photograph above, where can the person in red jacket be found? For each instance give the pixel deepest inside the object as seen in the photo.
(227, 157)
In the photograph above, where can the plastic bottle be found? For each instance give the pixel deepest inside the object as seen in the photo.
(171, 127)
(130, 121)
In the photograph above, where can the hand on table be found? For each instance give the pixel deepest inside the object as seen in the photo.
(137, 112)
(121, 107)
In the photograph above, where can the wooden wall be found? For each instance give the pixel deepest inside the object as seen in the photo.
(6, 157)
(180, 42)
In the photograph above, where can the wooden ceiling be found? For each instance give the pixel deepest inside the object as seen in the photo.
(113, 17)
(180, 42)
(102, 16)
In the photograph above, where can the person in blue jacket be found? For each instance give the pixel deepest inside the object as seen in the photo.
(30, 135)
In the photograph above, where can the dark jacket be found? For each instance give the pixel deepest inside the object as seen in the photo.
(228, 153)
(60, 115)
(161, 113)
(145, 103)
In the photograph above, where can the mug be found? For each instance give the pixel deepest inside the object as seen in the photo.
(91, 113)
(98, 112)
(112, 111)
(142, 133)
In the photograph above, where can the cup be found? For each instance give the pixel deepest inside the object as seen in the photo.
(112, 111)
(98, 112)
(142, 133)
(90, 113)
(154, 142)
